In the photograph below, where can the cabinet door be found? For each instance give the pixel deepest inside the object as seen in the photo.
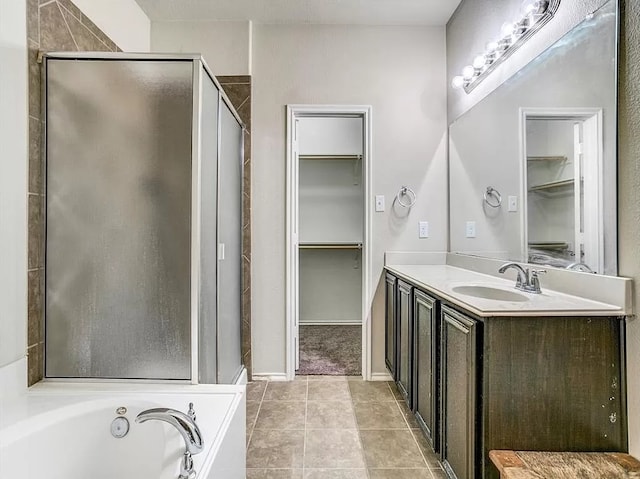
(404, 343)
(459, 377)
(425, 360)
(390, 325)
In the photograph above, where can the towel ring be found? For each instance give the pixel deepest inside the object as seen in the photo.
(405, 191)
(493, 193)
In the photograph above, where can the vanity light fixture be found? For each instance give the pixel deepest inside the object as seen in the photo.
(512, 36)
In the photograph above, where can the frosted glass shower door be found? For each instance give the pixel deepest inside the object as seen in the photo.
(209, 106)
(118, 253)
(230, 249)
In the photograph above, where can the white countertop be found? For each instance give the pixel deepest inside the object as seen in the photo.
(441, 279)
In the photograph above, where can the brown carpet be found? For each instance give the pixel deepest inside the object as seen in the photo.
(330, 350)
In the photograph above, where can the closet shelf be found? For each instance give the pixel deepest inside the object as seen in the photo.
(330, 245)
(546, 158)
(550, 245)
(552, 185)
(330, 157)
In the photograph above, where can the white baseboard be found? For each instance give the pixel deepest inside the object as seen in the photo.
(269, 376)
(381, 377)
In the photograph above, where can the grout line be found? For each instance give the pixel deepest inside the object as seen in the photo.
(355, 419)
(304, 437)
(255, 420)
(67, 24)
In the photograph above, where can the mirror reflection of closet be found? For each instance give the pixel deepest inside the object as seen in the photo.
(562, 189)
(331, 219)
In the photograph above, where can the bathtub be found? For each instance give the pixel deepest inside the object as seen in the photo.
(63, 431)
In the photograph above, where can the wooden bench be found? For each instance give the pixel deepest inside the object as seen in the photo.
(565, 465)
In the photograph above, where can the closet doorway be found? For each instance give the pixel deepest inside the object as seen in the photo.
(328, 232)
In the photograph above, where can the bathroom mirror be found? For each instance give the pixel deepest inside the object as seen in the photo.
(533, 165)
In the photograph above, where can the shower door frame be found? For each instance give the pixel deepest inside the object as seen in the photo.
(199, 69)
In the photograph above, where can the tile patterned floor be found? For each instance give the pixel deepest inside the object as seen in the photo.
(332, 427)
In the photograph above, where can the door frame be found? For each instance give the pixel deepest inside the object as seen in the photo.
(593, 147)
(291, 268)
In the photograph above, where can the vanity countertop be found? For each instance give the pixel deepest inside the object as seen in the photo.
(441, 280)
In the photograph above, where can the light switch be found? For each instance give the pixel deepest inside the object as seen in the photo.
(423, 229)
(379, 203)
(513, 203)
(471, 229)
(220, 251)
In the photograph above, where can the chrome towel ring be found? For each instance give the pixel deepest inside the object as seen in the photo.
(406, 192)
(495, 194)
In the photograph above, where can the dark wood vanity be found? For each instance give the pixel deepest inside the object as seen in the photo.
(525, 382)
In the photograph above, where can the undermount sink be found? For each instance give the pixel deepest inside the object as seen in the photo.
(489, 292)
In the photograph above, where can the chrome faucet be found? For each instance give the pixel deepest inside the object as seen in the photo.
(526, 280)
(188, 429)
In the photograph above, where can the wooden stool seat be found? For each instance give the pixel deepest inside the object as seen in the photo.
(565, 465)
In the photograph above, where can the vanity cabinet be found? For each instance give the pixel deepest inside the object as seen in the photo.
(390, 324)
(426, 366)
(476, 383)
(459, 356)
(405, 340)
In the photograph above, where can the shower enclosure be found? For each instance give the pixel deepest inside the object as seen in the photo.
(144, 158)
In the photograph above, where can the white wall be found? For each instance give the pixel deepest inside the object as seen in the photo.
(13, 181)
(226, 46)
(400, 71)
(474, 24)
(121, 20)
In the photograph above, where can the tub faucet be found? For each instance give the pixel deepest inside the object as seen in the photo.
(526, 280)
(188, 429)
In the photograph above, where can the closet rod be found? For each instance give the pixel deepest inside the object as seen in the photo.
(331, 246)
(330, 157)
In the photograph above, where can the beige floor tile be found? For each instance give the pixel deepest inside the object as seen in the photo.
(255, 390)
(394, 390)
(330, 415)
(430, 456)
(438, 474)
(286, 391)
(270, 448)
(252, 412)
(408, 415)
(333, 448)
(362, 391)
(399, 474)
(274, 473)
(329, 391)
(379, 415)
(335, 474)
(391, 448)
(281, 415)
(326, 378)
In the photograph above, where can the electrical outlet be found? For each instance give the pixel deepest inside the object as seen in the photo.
(471, 229)
(379, 203)
(513, 203)
(423, 229)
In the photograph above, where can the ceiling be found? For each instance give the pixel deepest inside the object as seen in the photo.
(345, 12)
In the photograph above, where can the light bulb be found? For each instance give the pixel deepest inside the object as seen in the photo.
(468, 72)
(457, 82)
(491, 47)
(507, 29)
(479, 62)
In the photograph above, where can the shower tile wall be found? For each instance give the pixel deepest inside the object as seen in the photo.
(238, 89)
(56, 25)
